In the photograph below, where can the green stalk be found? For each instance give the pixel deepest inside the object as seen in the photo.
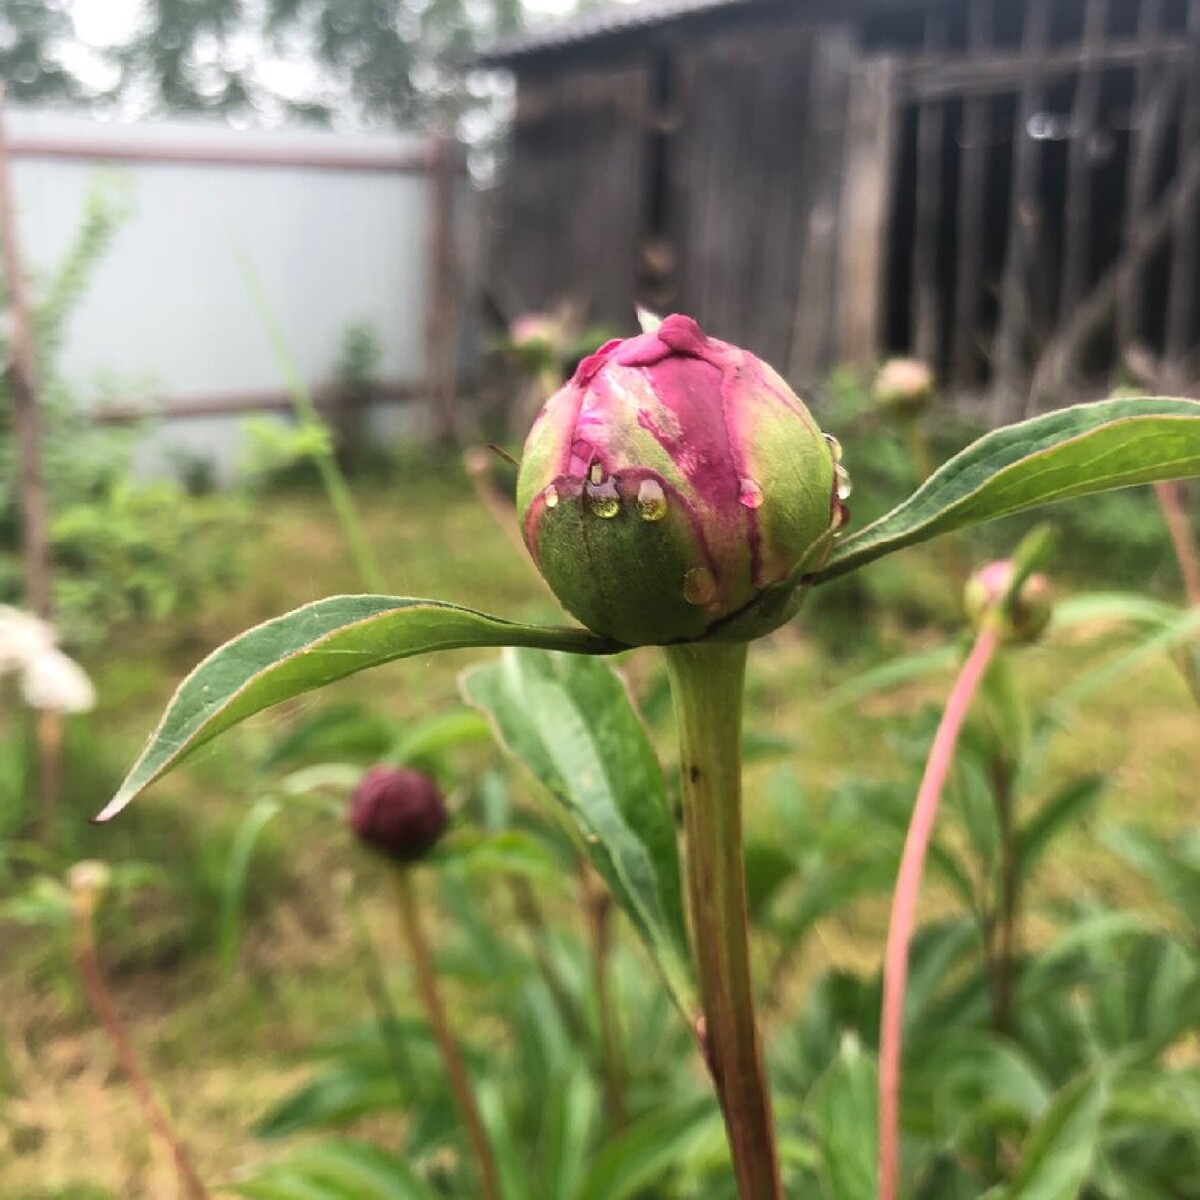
(336, 488)
(461, 1087)
(706, 685)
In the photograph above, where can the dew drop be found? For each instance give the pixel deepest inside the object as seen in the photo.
(842, 480)
(550, 496)
(750, 494)
(699, 586)
(603, 499)
(651, 500)
(835, 447)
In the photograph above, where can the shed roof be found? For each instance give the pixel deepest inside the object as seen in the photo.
(614, 18)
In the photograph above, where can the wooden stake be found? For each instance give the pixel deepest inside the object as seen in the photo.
(1148, 108)
(1023, 220)
(27, 433)
(931, 127)
(27, 426)
(441, 316)
(970, 210)
(1181, 301)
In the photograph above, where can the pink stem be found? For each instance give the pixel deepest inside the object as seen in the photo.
(1172, 501)
(904, 903)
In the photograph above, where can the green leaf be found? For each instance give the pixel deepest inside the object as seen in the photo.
(336, 1171)
(233, 887)
(570, 722)
(1061, 1148)
(650, 1147)
(843, 1107)
(310, 647)
(1072, 452)
(1062, 810)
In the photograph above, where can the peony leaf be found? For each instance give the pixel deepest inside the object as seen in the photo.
(1072, 452)
(310, 647)
(571, 724)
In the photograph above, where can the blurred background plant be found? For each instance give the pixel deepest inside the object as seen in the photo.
(123, 550)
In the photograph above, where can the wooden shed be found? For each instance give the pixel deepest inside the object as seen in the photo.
(1006, 188)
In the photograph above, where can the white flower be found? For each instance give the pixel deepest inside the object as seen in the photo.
(23, 637)
(53, 681)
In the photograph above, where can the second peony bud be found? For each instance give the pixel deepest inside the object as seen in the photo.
(675, 489)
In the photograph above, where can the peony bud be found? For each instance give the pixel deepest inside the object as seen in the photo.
(904, 387)
(676, 488)
(399, 812)
(1023, 618)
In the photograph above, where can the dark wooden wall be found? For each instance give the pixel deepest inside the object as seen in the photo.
(1045, 204)
(1009, 189)
(570, 216)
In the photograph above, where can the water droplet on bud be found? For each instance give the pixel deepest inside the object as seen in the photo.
(699, 586)
(602, 498)
(750, 494)
(842, 479)
(651, 500)
(550, 496)
(835, 447)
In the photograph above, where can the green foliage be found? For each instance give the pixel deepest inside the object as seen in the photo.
(313, 646)
(122, 551)
(569, 721)
(1072, 452)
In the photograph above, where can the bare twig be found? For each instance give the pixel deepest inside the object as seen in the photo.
(84, 897)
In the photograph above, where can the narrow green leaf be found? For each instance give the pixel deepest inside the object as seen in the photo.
(1061, 1148)
(843, 1107)
(649, 1148)
(1068, 805)
(1073, 452)
(336, 1170)
(311, 647)
(233, 887)
(569, 721)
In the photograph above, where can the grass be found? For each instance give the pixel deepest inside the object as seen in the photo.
(223, 1049)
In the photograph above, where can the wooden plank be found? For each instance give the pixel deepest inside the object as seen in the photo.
(931, 130)
(1139, 176)
(571, 210)
(996, 74)
(1010, 365)
(834, 55)
(740, 180)
(867, 180)
(1077, 215)
(1181, 301)
(1089, 316)
(971, 180)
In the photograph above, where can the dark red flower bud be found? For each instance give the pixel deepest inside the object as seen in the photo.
(399, 812)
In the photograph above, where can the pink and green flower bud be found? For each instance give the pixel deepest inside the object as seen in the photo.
(677, 489)
(904, 387)
(398, 812)
(1019, 618)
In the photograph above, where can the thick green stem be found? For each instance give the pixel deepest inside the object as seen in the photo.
(706, 685)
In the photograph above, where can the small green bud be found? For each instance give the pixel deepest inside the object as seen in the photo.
(904, 387)
(676, 489)
(1019, 618)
